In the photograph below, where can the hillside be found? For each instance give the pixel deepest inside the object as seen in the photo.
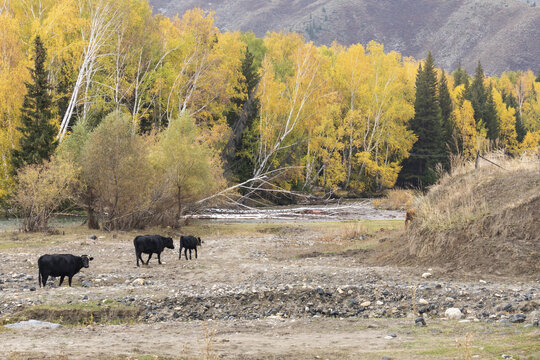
(501, 33)
(484, 221)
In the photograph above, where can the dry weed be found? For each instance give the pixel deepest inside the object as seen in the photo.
(395, 199)
(207, 349)
(465, 347)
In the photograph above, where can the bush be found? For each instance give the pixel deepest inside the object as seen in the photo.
(115, 167)
(42, 188)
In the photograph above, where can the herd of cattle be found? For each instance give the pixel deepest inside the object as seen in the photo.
(68, 265)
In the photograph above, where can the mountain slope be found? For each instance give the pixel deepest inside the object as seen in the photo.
(503, 34)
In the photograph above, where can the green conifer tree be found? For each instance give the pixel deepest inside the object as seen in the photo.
(419, 169)
(476, 94)
(38, 131)
(445, 102)
(461, 77)
(490, 116)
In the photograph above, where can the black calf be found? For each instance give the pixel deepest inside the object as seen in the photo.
(150, 244)
(189, 243)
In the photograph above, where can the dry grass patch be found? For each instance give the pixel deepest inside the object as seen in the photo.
(396, 199)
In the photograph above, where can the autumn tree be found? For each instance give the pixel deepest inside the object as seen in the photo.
(419, 170)
(115, 166)
(41, 189)
(37, 142)
(467, 136)
(189, 168)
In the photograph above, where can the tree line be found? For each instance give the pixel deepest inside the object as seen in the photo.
(137, 117)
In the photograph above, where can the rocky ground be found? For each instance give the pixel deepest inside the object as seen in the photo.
(253, 286)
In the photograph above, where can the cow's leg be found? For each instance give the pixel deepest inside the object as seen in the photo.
(138, 255)
(195, 253)
(180, 254)
(185, 253)
(159, 258)
(189, 254)
(61, 280)
(149, 256)
(69, 280)
(44, 279)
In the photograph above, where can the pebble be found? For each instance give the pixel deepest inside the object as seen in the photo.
(366, 303)
(426, 275)
(453, 314)
(419, 321)
(423, 302)
(518, 318)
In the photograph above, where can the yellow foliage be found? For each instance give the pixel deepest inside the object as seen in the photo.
(507, 123)
(466, 127)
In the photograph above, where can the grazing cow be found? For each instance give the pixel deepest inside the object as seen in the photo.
(189, 243)
(60, 265)
(150, 244)
(409, 216)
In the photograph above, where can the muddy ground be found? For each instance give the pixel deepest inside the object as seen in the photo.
(258, 291)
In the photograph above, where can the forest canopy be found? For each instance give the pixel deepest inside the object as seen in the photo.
(185, 110)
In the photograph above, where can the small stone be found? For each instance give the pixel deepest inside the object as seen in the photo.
(92, 237)
(453, 314)
(483, 282)
(175, 315)
(340, 291)
(423, 302)
(536, 322)
(379, 302)
(139, 282)
(419, 321)
(508, 307)
(366, 303)
(426, 275)
(504, 356)
(86, 284)
(33, 288)
(518, 318)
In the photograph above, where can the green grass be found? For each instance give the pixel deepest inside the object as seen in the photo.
(79, 313)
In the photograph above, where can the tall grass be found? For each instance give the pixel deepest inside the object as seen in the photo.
(466, 194)
(395, 199)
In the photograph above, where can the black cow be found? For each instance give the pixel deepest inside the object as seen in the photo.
(60, 265)
(189, 243)
(150, 244)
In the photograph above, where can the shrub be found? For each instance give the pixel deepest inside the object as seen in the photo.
(42, 188)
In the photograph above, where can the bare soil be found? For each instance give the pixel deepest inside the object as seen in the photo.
(293, 290)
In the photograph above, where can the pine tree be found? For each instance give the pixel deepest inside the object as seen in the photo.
(490, 116)
(476, 94)
(419, 169)
(37, 142)
(461, 77)
(241, 120)
(445, 102)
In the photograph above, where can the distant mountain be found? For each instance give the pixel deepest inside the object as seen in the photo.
(503, 34)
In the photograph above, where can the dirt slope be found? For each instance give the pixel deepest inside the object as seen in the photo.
(501, 33)
(485, 222)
